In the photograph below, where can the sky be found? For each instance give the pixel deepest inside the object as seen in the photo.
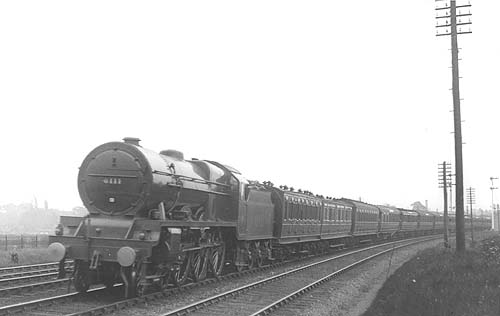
(345, 99)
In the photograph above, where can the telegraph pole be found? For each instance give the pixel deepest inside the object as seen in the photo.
(450, 18)
(493, 202)
(444, 170)
(471, 197)
(450, 185)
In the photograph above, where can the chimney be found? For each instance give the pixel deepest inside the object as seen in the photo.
(132, 141)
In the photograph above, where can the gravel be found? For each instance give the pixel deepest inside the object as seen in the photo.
(352, 293)
(344, 296)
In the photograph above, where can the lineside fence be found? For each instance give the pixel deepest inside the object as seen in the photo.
(10, 242)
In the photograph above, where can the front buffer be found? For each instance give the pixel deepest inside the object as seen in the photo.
(107, 250)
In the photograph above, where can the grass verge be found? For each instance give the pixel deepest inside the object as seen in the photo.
(26, 256)
(439, 281)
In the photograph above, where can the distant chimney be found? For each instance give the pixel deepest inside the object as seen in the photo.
(132, 141)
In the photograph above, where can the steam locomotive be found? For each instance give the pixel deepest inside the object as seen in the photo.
(157, 219)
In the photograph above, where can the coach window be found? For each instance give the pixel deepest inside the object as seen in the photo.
(242, 192)
(285, 215)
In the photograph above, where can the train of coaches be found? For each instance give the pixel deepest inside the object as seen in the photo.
(157, 219)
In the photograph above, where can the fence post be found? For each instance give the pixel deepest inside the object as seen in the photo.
(6, 246)
(22, 242)
(36, 241)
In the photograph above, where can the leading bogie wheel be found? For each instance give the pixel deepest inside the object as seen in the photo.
(82, 278)
(180, 276)
(108, 275)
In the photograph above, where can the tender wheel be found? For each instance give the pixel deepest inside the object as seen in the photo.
(199, 265)
(217, 257)
(251, 258)
(257, 259)
(180, 276)
(81, 278)
(241, 260)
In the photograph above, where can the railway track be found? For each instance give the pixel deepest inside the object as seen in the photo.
(24, 283)
(25, 276)
(264, 296)
(31, 268)
(105, 303)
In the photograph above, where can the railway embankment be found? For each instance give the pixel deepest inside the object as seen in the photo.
(438, 281)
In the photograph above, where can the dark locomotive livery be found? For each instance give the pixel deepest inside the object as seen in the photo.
(158, 219)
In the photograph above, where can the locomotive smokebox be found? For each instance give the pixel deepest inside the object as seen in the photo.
(124, 178)
(117, 178)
